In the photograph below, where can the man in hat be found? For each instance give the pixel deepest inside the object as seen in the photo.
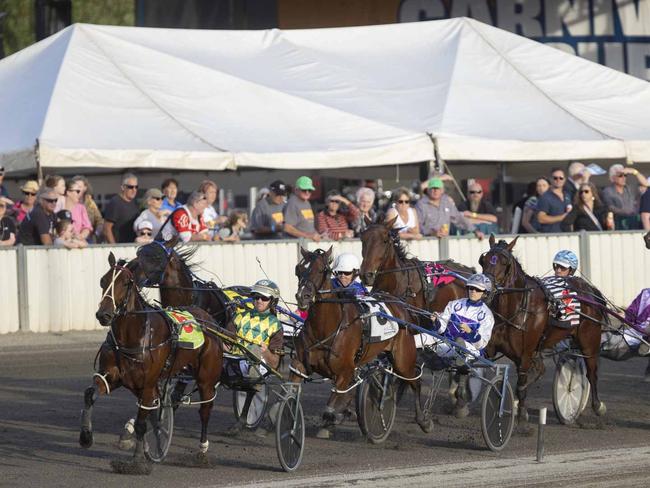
(298, 214)
(267, 219)
(437, 211)
(27, 204)
(38, 226)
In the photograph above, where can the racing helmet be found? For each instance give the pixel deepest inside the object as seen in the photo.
(346, 262)
(480, 281)
(266, 288)
(566, 258)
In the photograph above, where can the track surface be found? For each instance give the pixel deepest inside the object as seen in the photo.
(41, 394)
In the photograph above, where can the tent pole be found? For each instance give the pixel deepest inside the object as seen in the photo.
(37, 157)
(502, 192)
(441, 165)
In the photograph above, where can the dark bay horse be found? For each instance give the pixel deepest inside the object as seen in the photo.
(144, 351)
(331, 341)
(387, 268)
(522, 321)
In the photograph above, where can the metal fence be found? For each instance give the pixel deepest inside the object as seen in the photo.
(56, 289)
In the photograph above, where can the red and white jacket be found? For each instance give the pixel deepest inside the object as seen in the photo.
(182, 224)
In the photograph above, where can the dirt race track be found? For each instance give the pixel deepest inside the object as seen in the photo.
(41, 394)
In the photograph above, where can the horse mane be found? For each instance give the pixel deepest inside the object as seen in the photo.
(456, 266)
(400, 248)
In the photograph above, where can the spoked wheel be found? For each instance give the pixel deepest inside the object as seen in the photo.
(497, 424)
(256, 410)
(290, 433)
(160, 427)
(376, 406)
(570, 389)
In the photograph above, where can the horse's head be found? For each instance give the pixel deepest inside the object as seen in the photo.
(377, 243)
(313, 272)
(154, 259)
(498, 262)
(117, 284)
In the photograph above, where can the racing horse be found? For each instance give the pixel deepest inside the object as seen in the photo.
(331, 342)
(387, 268)
(522, 321)
(145, 351)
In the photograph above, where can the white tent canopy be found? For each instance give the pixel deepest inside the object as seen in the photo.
(116, 97)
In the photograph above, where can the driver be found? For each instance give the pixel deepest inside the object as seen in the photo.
(346, 273)
(638, 313)
(565, 263)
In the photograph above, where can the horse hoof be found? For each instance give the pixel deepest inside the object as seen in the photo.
(202, 459)
(126, 442)
(131, 466)
(461, 412)
(323, 433)
(234, 430)
(85, 438)
(426, 425)
(524, 429)
(601, 409)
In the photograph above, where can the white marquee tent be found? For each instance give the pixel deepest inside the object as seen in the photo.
(115, 97)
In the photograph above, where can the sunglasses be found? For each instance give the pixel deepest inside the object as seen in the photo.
(344, 273)
(51, 200)
(473, 288)
(131, 187)
(559, 178)
(75, 191)
(559, 267)
(306, 191)
(621, 175)
(403, 201)
(157, 198)
(261, 297)
(29, 193)
(145, 233)
(475, 192)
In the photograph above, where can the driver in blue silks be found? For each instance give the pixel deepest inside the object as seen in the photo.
(346, 271)
(467, 321)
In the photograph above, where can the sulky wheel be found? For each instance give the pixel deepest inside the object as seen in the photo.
(259, 401)
(570, 389)
(290, 433)
(376, 406)
(160, 427)
(497, 425)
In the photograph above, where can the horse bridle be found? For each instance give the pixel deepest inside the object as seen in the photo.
(117, 270)
(303, 278)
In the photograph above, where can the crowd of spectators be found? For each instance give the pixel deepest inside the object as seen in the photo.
(63, 212)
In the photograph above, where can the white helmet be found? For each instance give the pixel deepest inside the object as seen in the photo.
(346, 262)
(479, 281)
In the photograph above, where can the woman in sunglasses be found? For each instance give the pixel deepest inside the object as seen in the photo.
(153, 211)
(346, 271)
(406, 217)
(81, 226)
(588, 212)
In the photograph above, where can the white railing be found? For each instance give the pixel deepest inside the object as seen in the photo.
(61, 286)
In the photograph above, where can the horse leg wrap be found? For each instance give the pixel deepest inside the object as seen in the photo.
(329, 415)
(128, 427)
(203, 447)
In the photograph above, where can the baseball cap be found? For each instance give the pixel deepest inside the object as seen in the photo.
(305, 183)
(278, 187)
(435, 183)
(64, 215)
(145, 224)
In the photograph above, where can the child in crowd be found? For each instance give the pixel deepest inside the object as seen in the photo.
(144, 232)
(65, 235)
(234, 228)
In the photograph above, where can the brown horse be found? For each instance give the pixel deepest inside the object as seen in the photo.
(522, 321)
(387, 268)
(331, 342)
(145, 351)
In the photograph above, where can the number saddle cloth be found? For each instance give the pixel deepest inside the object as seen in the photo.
(565, 306)
(376, 328)
(189, 332)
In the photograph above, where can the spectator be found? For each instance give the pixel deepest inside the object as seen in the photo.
(406, 221)
(122, 211)
(518, 209)
(211, 217)
(588, 212)
(57, 183)
(38, 226)
(437, 211)
(578, 174)
(234, 228)
(153, 213)
(187, 221)
(65, 235)
(3, 190)
(7, 225)
(334, 221)
(365, 200)
(80, 221)
(26, 205)
(144, 230)
(529, 221)
(554, 204)
(644, 210)
(170, 189)
(298, 214)
(267, 219)
(94, 215)
(478, 210)
(621, 199)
